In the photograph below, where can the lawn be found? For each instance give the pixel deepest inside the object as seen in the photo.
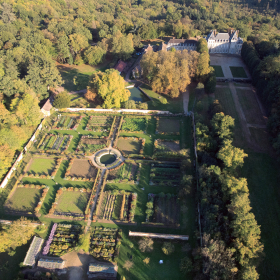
(134, 125)
(238, 72)
(24, 199)
(218, 71)
(82, 168)
(174, 105)
(261, 137)
(76, 77)
(74, 202)
(250, 106)
(168, 125)
(262, 173)
(42, 166)
(225, 98)
(129, 146)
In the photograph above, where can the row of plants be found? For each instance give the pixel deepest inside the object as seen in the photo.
(99, 123)
(62, 239)
(111, 130)
(163, 209)
(43, 176)
(53, 143)
(118, 131)
(67, 123)
(74, 216)
(105, 244)
(128, 173)
(85, 146)
(170, 176)
(136, 125)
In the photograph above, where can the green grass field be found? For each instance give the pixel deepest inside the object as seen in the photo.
(129, 146)
(24, 199)
(174, 105)
(238, 72)
(74, 202)
(250, 106)
(42, 166)
(169, 125)
(218, 71)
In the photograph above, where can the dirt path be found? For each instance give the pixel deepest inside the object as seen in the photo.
(186, 97)
(263, 126)
(242, 118)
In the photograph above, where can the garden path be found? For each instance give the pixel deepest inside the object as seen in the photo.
(186, 96)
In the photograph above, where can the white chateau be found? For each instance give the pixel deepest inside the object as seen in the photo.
(217, 43)
(224, 42)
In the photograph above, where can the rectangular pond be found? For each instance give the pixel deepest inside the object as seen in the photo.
(137, 95)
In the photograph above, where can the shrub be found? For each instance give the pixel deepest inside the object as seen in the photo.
(168, 248)
(146, 244)
(128, 265)
(62, 100)
(146, 260)
(186, 265)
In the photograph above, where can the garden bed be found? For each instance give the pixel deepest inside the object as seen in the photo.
(105, 243)
(99, 123)
(129, 172)
(81, 170)
(165, 174)
(166, 147)
(117, 205)
(66, 122)
(135, 125)
(63, 239)
(130, 146)
(163, 209)
(90, 144)
(168, 126)
(53, 143)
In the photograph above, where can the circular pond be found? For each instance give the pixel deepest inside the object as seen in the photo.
(108, 159)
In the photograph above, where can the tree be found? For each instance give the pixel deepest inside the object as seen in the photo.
(231, 156)
(16, 234)
(146, 260)
(62, 100)
(130, 104)
(186, 265)
(110, 87)
(168, 248)
(122, 46)
(146, 244)
(210, 84)
(128, 265)
(7, 15)
(94, 55)
(78, 42)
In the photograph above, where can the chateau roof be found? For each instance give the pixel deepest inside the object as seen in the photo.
(184, 41)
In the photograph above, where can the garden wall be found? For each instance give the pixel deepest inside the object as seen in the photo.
(159, 235)
(18, 160)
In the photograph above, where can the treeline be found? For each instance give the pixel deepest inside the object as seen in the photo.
(263, 61)
(230, 235)
(170, 72)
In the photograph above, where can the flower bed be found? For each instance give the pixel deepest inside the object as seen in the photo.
(129, 172)
(105, 243)
(53, 143)
(163, 209)
(62, 239)
(99, 124)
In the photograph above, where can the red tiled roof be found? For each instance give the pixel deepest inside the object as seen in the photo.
(120, 66)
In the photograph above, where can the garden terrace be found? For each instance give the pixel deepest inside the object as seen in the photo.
(66, 122)
(99, 123)
(25, 199)
(165, 173)
(91, 144)
(62, 239)
(163, 209)
(71, 203)
(81, 169)
(117, 205)
(130, 146)
(170, 126)
(105, 243)
(53, 143)
(135, 125)
(128, 172)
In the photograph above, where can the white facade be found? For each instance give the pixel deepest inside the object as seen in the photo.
(224, 42)
(181, 44)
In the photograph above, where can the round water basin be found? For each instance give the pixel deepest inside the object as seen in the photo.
(108, 159)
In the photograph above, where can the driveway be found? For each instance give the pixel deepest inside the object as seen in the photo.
(227, 60)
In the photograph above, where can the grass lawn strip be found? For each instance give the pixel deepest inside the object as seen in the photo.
(238, 72)
(218, 71)
(42, 166)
